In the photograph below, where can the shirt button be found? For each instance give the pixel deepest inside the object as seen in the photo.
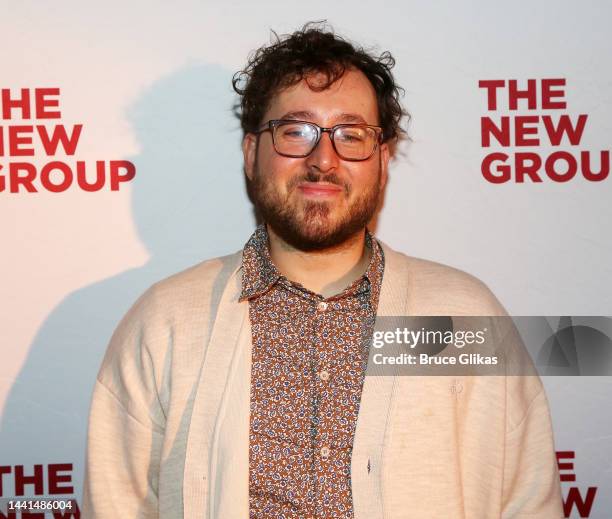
(322, 306)
(325, 452)
(324, 375)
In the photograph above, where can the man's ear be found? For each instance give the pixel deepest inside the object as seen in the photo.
(385, 155)
(249, 152)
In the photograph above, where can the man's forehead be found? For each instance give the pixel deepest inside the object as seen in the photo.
(351, 98)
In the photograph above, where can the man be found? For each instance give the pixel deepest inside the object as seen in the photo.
(238, 387)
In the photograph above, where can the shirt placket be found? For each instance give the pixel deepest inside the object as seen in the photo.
(324, 452)
(320, 450)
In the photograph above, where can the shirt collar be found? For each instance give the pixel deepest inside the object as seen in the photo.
(259, 273)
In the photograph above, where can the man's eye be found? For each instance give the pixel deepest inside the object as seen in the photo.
(351, 137)
(296, 132)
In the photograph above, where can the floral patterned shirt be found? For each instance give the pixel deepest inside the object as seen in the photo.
(308, 363)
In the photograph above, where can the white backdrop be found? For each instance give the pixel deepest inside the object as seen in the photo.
(150, 82)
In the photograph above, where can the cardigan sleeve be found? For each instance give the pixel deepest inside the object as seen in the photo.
(532, 488)
(127, 420)
(123, 456)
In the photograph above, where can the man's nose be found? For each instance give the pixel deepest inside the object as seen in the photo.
(323, 157)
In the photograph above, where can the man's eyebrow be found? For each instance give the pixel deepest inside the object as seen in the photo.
(298, 115)
(351, 118)
(340, 118)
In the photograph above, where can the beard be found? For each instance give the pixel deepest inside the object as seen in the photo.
(310, 225)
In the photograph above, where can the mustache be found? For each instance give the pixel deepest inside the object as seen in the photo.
(314, 176)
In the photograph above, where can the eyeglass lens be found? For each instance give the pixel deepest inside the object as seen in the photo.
(298, 139)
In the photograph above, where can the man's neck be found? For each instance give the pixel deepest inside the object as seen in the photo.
(326, 272)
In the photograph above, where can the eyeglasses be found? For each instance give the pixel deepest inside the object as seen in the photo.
(298, 139)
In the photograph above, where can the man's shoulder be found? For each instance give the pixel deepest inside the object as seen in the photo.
(207, 275)
(429, 274)
(434, 288)
(195, 288)
(180, 302)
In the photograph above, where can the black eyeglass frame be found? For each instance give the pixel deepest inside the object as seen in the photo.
(272, 124)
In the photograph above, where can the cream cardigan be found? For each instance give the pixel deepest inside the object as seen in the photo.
(168, 429)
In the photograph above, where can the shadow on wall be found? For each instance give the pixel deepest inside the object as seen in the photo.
(189, 204)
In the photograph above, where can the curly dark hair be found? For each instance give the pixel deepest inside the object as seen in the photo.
(314, 49)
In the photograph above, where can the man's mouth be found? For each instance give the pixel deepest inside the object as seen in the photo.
(319, 189)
